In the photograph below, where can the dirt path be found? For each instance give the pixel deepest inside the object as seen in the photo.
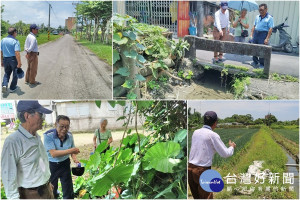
(66, 70)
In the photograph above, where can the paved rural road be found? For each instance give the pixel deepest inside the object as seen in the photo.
(66, 70)
(282, 63)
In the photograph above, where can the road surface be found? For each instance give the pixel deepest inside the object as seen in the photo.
(282, 63)
(66, 70)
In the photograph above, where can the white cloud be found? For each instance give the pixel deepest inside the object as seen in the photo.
(37, 12)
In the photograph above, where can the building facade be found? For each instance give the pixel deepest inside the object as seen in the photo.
(70, 23)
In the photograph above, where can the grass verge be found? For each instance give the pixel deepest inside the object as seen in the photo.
(103, 51)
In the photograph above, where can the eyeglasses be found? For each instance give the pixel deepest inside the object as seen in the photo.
(63, 127)
(261, 10)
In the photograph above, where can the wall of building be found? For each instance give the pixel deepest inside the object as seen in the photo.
(70, 23)
(85, 116)
(119, 7)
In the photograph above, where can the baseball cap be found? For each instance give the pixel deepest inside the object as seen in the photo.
(32, 105)
(224, 4)
(20, 73)
(211, 115)
(34, 26)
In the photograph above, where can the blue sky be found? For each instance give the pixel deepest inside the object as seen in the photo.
(37, 12)
(283, 110)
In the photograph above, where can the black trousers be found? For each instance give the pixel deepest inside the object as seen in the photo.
(62, 171)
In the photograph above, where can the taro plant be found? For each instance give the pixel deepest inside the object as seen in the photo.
(127, 49)
(178, 50)
(143, 166)
(136, 46)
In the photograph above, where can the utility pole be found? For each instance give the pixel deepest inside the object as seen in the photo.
(49, 23)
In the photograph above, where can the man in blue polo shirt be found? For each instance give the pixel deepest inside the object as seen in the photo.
(10, 59)
(59, 145)
(261, 32)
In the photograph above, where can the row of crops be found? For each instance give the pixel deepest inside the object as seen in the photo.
(291, 134)
(241, 136)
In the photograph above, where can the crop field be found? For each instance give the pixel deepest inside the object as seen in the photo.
(260, 147)
(291, 134)
(241, 136)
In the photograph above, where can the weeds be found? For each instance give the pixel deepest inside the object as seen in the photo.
(239, 85)
(242, 68)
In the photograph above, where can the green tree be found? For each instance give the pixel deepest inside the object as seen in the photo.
(22, 28)
(270, 119)
(97, 11)
(4, 24)
(259, 121)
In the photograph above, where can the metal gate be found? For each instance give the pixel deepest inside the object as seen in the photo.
(161, 13)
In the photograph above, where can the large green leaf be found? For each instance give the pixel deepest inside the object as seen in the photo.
(116, 56)
(94, 161)
(139, 77)
(168, 190)
(130, 34)
(130, 54)
(123, 71)
(128, 84)
(144, 104)
(117, 175)
(101, 147)
(125, 154)
(180, 135)
(140, 46)
(117, 39)
(131, 95)
(161, 156)
(141, 58)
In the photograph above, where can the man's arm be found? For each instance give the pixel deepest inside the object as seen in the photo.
(268, 36)
(9, 170)
(58, 153)
(18, 59)
(95, 141)
(220, 147)
(2, 59)
(49, 146)
(252, 32)
(218, 23)
(74, 157)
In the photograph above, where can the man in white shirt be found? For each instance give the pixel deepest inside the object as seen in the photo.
(221, 28)
(205, 143)
(32, 52)
(24, 163)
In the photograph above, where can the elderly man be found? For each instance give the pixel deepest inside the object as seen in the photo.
(205, 143)
(32, 52)
(261, 32)
(221, 28)
(10, 59)
(24, 163)
(60, 145)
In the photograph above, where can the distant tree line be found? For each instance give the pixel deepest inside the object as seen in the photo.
(196, 119)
